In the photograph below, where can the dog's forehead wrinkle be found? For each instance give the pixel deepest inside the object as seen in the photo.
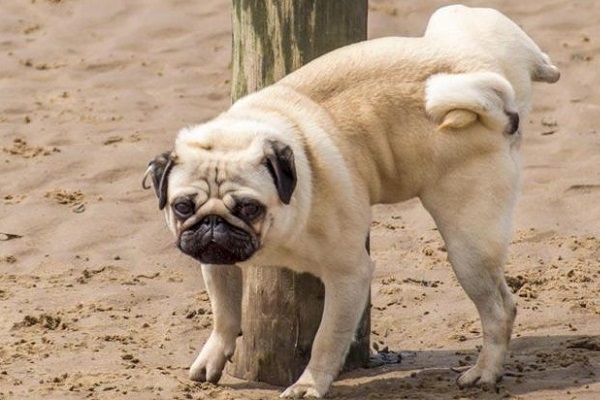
(215, 138)
(217, 177)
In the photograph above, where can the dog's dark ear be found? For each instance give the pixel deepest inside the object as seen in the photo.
(158, 170)
(280, 163)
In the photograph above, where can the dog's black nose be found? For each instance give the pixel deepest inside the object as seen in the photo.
(212, 221)
(213, 240)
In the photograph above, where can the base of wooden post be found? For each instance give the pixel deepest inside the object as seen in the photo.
(284, 311)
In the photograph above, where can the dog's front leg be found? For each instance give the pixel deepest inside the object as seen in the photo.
(224, 286)
(346, 294)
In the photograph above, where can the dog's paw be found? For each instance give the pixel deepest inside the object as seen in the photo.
(310, 384)
(478, 376)
(300, 391)
(209, 365)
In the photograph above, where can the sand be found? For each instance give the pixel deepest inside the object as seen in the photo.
(95, 300)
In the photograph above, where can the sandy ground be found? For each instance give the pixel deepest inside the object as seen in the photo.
(96, 302)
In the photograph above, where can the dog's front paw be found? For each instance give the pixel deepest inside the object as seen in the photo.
(477, 375)
(209, 365)
(299, 391)
(310, 384)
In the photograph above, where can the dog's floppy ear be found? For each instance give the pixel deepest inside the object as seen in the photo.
(158, 170)
(280, 164)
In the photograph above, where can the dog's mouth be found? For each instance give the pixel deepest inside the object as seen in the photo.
(215, 241)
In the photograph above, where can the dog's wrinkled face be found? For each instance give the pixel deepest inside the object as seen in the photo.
(218, 195)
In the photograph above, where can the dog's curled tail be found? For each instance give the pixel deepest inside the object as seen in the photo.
(455, 101)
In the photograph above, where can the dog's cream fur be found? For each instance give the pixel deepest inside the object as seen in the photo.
(376, 122)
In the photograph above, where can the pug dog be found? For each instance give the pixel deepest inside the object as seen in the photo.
(287, 176)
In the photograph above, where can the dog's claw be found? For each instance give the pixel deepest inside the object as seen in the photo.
(301, 392)
(310, 384)
(201, 375)
(476, 376)
(209, 365)
(198, 375)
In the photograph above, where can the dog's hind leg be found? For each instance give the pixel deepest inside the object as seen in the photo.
(472, 206)
(224, 286)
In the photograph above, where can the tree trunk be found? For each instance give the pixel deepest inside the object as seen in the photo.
(282, 309)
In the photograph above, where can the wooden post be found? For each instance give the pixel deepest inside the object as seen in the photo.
(282, 310)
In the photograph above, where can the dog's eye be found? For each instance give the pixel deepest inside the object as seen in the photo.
(183, 209)
(250, 210)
